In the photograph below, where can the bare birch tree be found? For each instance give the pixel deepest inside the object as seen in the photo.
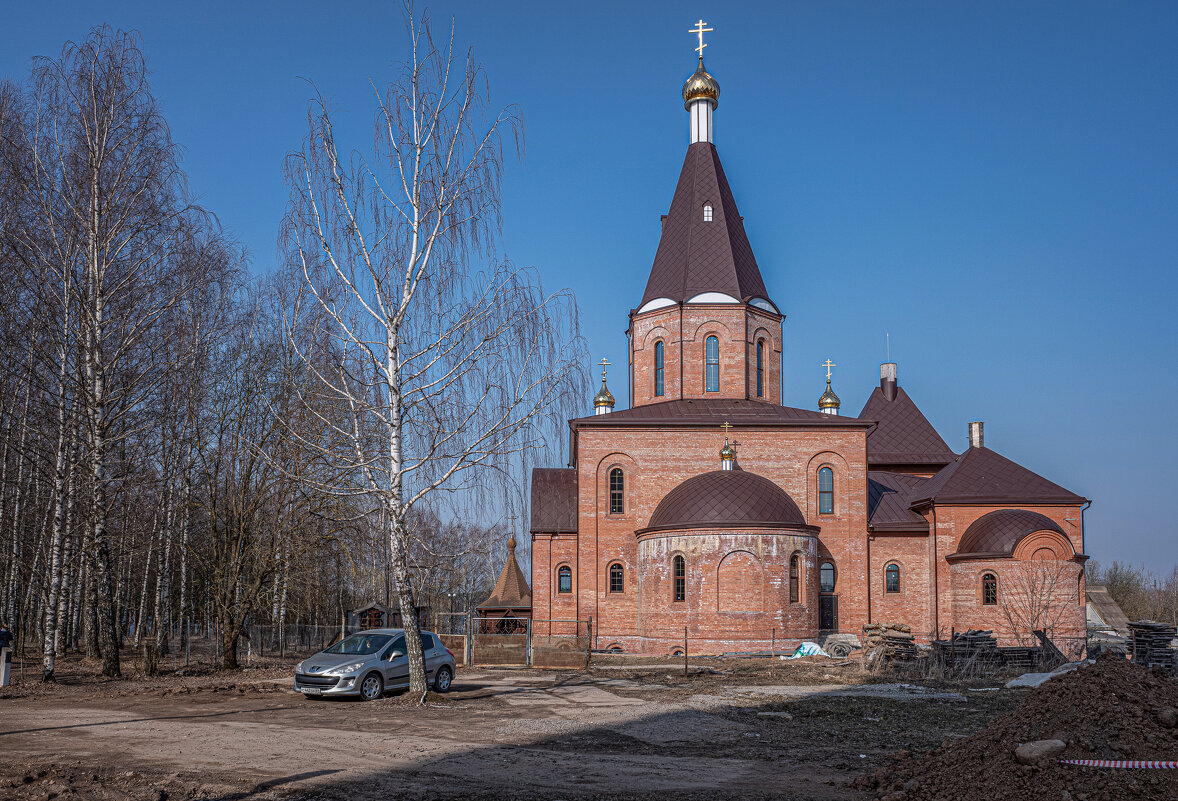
(448, 373)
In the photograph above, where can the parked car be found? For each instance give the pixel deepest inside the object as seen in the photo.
(368, 663)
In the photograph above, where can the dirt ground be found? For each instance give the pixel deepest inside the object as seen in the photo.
(627, 728)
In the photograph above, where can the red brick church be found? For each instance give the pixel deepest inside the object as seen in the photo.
(711, 507)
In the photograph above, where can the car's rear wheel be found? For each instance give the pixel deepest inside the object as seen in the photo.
(371, 687)
(442, 679)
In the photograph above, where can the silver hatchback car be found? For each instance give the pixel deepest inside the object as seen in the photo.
(369, 662)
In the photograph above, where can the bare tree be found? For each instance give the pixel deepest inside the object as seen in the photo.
(1039, 594)
(448, 373)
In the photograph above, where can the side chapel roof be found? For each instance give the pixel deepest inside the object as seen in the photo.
(888, 501)
(903, 436)
(554, 499)
(982, 476)
(696, 256)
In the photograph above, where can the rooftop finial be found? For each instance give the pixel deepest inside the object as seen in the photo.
(727, 453)
(603, 401)
(701, 93)
(700, 30)
(829, 403)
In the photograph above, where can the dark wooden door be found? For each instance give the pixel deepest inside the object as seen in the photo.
(828, 613)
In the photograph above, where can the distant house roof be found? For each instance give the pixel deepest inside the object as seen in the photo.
(726, 498)
(1108, 611)
(903, 435)
(997, 533)
(982, 476)
(511, 590)
(888, 502)
(714, 411)
(697, 255)
(554, 500)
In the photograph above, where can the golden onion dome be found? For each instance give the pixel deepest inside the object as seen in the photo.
(829, 400)
(727, 453)
(603, 396)
(701, 85)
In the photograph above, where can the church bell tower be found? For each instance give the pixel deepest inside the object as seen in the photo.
(705, 327)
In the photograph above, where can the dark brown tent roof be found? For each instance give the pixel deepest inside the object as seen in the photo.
(997, 533)
(713, 412)
(511, 590)
(903, 436)
(696, 256)
(888, 501)
(726, 498)
(981, 476)
(554, 500)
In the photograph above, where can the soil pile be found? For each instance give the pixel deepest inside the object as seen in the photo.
(1109, 710)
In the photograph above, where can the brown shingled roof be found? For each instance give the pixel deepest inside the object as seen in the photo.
(511, 590)
(554, 500)
(903, 436)
(696, 256)
(713, 412)
(997, 533)
(982, 476)
(726, 498)
(888, 501)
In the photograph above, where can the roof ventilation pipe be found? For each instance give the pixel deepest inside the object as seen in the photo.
(975, 434)
(887, 380)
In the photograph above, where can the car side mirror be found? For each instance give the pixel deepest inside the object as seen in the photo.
(395, 655)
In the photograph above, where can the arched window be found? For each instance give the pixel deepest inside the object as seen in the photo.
(826, 491)
(712, 364)
(707, 212)
(617, 579)
(989, 589)
(680, 567)
(892, 578)
(658, 367)
(795, 578)
(617, 491)
(760, 367)
(564, 579)
(826, 577)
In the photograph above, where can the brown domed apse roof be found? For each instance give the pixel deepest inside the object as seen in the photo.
(727, 499)
(997, 533)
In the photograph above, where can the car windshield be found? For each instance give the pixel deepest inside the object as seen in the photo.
(360, 644)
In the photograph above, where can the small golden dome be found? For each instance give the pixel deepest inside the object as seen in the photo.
(829, 400)
(511, 543)
(603, 396)
(701, 85)
(727, 453)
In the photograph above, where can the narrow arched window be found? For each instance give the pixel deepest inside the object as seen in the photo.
(680, 570)
(658, 368)
(795, 578)
(617, 491)
(707, 212)
(564, 579)
(826, 577)
(712, 364)
(826, 491)
(989, 589)
(617, 579)
(760, 367)
(892, 578)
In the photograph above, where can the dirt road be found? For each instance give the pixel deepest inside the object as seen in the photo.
(498, 734)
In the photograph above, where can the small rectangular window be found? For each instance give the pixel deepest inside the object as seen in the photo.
(680, 579)
(708, 213)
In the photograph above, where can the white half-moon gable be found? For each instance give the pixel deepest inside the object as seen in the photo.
(657, 303)
(761, 303)
(713, 297)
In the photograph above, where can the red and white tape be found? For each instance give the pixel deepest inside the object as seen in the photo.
(1123, 763)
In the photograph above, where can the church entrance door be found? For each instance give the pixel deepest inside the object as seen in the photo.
(828, 613)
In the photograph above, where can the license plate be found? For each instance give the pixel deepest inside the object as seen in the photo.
(311, 690)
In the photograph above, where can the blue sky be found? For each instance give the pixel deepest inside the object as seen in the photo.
(993, 184)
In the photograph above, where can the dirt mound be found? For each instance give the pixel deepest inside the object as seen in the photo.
(1108, 710)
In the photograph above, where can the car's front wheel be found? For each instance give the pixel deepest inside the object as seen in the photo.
(442, 679)
(371, 687)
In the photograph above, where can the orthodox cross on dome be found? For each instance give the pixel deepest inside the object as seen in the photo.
(699, 30)
(828, 364)
(603, 401)
(604, 364)
(727, 427)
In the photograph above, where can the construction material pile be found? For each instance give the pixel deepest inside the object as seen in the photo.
(968, 652)
(1110, 710)
(885, 643)
(1151, 645)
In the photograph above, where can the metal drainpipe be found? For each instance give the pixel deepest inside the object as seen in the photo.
(936, 584)
(870, 572)
(682, 357)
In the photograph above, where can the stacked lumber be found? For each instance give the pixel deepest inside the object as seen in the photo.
(1151, 645)
(1020, 659)
(969, 650)
(888, 642)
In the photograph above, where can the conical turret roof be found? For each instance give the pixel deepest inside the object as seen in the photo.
(696, 255)
(511, 590)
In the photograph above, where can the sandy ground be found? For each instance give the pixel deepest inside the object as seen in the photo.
(753, 729)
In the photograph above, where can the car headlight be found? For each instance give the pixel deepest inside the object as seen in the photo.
(345, 669)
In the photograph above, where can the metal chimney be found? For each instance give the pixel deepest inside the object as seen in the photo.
(975, 434)
(887, 379)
